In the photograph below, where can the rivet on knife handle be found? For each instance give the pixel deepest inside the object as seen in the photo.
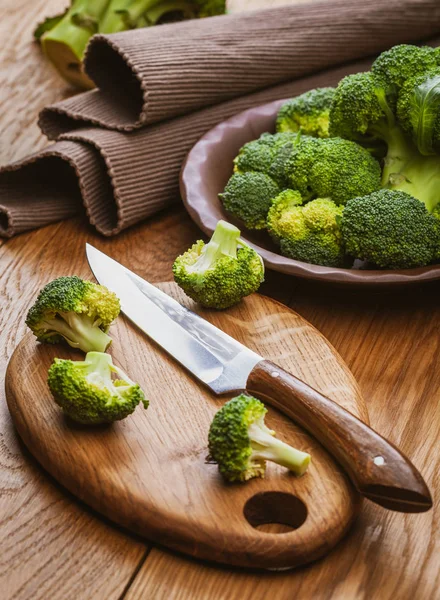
(378, 470)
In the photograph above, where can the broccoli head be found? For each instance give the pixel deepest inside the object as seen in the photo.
(308, 113)
(266, 155)
(332, 168)
(311, 232)
(390, 229)
(222, 272)
(248, 197)
(88, 394)
(78, 311)
(393, 67)
(240, 442)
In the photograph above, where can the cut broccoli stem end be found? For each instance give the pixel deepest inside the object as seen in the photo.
(224, 242)
(267, 447)
(79, 331)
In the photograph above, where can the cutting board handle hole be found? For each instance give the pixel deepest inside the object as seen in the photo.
(275, 512)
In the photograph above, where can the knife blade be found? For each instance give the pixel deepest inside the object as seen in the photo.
(378, 470)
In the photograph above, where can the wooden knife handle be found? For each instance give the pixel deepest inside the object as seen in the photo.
(378, 470)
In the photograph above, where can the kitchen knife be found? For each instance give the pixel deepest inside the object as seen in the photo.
(377, 469)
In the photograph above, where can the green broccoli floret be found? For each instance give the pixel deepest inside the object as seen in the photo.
(390, 229)
(308, 113)
(332, 168)
(78, 311)
(393, 67)
(87, 393)
(266, 155)
(310, 233)
(219, 274)
(418, 111)
(248, 197)
(240, 443)
(361, 112)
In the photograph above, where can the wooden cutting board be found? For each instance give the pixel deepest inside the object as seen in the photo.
(149, 472)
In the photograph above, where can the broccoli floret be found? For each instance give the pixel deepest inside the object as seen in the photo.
(266, 155)
(393, 67)
(332, 168)
(308, 113)
(78, 311)
(418, 110)
(240, 443)
(361, 112)
(390, 229)
(248, 197)
(219, 274)
(87, 393)
(311, 232)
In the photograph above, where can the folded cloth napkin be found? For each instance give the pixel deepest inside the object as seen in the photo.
(119, 148)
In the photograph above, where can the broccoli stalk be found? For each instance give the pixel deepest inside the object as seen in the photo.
(265, 446)
(65, 43)
(88, 394)
(223, 243)
(79, 331)
(240, 442)
(64, 38)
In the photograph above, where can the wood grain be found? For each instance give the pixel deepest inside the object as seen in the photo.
(390, 342)
(149, 472)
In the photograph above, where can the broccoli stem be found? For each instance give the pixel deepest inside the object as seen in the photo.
(267, 447)
(65, 43)
(419, 177)
(223, 243)
(125, 14)
(79, 331)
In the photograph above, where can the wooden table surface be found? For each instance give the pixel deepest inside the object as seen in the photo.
(53, 547)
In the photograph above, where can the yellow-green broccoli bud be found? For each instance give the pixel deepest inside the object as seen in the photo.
(87, 392)
(77, 311)
(222, 272)
(390, 229)
(240, 442)
(308, 113)
(310, 233)
(248, 197)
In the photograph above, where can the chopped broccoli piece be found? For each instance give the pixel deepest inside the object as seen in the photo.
(311, 232)
(390, 229)
(248, 197)
(78, 311)
(332, 168)
(87, 393)
(222, 272)
(308, 113)
(240, 442)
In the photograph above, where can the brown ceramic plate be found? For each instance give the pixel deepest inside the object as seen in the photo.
(204, 175)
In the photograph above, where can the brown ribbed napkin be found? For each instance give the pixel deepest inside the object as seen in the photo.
(127, 171)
